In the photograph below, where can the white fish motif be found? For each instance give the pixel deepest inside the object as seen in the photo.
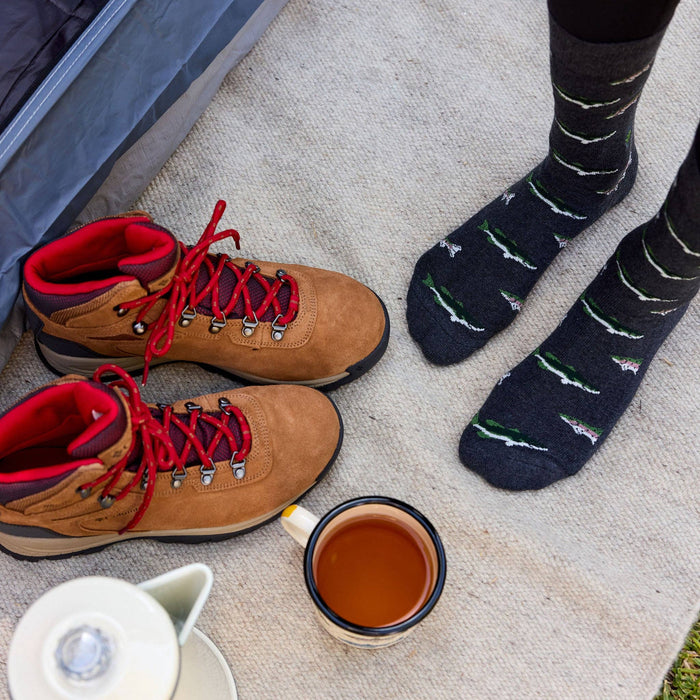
(673, 233)
(452, 248)
(628, 364)
(581, 428)
(632, 77)
(504, 377)
(581, 171)
(622, 177)
(553, 205)
(584, 104)
(623, 109)
(585, 140)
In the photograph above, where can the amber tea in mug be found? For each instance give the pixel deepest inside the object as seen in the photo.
(373, 570)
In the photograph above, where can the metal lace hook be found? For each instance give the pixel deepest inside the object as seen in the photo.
(217, 324)
(278, 329)
(207, 473)
(238, 468)
(249, 326)
(187, 315)
(177, 477)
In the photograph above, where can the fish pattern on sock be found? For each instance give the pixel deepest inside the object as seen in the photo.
(472, 283)
(548, 415)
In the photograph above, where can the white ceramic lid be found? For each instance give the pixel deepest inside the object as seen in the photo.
(94, 637)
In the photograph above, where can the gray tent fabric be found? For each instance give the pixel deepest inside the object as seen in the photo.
(117, 80)
(34, 34)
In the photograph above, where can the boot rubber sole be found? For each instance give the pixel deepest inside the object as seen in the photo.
(51, 546)
(67, 364)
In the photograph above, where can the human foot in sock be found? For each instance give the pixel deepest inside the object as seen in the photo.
(471, 284)
(547, 416)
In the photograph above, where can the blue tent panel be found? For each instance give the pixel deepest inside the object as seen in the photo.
(128, 67)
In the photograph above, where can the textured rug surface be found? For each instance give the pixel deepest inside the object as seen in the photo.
(353, 137)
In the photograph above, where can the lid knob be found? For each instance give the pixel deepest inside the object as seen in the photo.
(84, 653)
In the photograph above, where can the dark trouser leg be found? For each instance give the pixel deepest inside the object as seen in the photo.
(605, 21)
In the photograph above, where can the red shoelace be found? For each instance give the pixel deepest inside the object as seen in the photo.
(182, 296)
(158, 451)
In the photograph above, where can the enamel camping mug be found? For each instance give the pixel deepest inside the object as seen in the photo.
(374, 568)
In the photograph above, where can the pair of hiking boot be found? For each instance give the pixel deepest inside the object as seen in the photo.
(85, 462)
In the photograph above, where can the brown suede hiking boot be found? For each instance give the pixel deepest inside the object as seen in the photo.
(123, 290)
(85, 464)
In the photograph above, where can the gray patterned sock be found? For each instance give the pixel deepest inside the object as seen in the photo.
(471, 284)
(547, 416)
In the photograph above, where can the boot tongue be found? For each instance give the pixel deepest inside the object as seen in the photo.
(226, 286)
(153, 254)
(205, 433)
(107, 435)
(153, 257)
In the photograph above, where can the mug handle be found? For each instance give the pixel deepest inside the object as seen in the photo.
(299, 523)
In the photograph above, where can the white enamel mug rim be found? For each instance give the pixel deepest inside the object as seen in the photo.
(389, 629)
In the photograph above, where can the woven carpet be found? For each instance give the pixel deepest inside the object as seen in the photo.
(352, 137)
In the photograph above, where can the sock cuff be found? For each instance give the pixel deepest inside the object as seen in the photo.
(616, 61)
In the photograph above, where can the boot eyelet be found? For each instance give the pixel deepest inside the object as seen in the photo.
(83, 492)
(238, 468)
(217, 324)
(106, 501)
(140, 327)
(192, 406)
(281, 273)
(121, 311)
(187, 316)
(207, 474)
(278, 329)
(224, 405)
(249, 326)
(177, 477)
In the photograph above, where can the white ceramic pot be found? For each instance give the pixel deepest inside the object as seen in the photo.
(99, 637)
